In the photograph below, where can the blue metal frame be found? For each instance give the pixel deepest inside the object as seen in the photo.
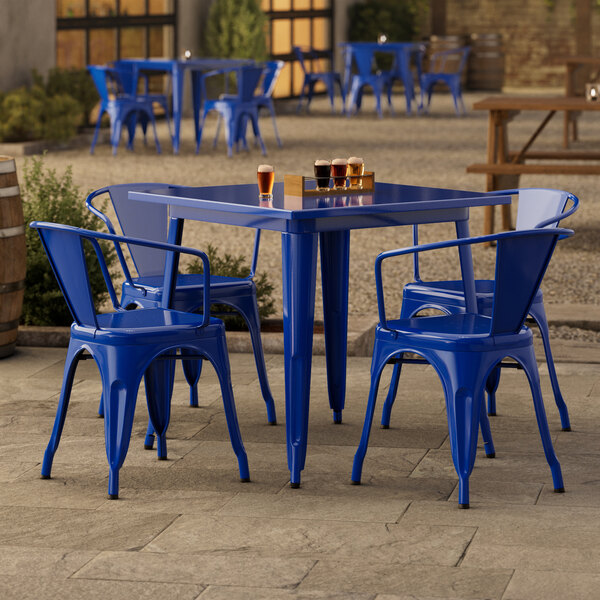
(298, 220)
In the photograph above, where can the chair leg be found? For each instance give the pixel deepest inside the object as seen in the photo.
(192, 369)
(331, 94)
(486, 433)
(391, 395)
(538, 313)
(530, 366)
(491, 385)
(153, 121)
(71, 362)
(256, 130)
(218, 131)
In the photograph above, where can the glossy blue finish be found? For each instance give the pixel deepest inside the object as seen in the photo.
(236, 110)
(437, 74)
(146, 290)
(309, 60)
(298, 220)
(127, 345)
(121, 106)
(177, 69)
(537, 208)
(466, 348)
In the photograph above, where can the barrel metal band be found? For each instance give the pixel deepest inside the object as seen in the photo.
(12, 190)
(7, 166)
(12, 231)
(8, 325)
(13, 286)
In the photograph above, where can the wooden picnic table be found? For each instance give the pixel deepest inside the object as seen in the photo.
(504, 167)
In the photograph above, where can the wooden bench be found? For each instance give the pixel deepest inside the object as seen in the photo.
(534, 169)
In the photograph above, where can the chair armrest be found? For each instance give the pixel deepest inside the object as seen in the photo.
(445, 244)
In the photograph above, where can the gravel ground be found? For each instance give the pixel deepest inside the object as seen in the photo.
(431, 150)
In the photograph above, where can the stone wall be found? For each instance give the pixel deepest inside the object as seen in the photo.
(534, 36)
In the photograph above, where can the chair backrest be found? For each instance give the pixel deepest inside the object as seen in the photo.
(248, 78)
(109, 81)
(271, 74)
(453, 56)
(363, 59)
(521, 261)
(128, 75)
(301, 55)
(538, 205)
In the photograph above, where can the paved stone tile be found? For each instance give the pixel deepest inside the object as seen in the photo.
(482, 553)
(449, 582)
(215, 592)
(302, 506)
(10, 470)
(544, 585)
(79, 529)
(483, 491)
(34, 588)
(52, 493)
(205, 569)
(56, 563)
(29, 361)
(586, 493)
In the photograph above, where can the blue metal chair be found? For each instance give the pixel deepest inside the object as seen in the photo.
(438, 73)
(235, 110)
(465, 348)
(310, 63)
(538, 208)
(363, 58)
(150, 221)
(127, 345)
(122, 107)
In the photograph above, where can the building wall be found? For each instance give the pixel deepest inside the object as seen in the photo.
(27, 40)
(534, 36)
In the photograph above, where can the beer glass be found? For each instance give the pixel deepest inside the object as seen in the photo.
(356, 168)
(339, 172)
(322, 174)
(266, 177)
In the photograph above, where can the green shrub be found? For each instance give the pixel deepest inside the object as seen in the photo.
(236, 29)
(30, 114)
(49, 197)
(236, 266)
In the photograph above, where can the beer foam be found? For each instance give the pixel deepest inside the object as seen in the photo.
(265, 169)
(321, 163)
(355, 160)
(339, 161)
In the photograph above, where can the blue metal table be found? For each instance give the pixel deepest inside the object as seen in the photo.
(305, 223)
(401, 50)
(177, 69)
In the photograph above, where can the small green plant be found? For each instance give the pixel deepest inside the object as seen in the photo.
(50, 197)
(236, 266)
(236, 29)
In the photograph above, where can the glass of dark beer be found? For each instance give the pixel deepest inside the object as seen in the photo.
(356, 169)
(322, 174)
(265, 176)
(339, 172)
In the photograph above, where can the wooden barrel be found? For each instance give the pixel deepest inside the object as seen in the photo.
(437, 43)
(486, 62)
(12, 256)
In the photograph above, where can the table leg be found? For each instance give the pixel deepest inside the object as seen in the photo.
(466, 267)
(299, 270)
(335, 257)
(177, 106)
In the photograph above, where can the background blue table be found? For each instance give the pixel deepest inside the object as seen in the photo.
(177, 69)
(304, 223)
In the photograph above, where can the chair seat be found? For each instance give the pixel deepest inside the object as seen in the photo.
(187, 282)
(465, 332)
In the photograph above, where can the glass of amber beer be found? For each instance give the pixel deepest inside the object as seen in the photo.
(339, 172)
(266, 176)
(322, 174)
(356, 169)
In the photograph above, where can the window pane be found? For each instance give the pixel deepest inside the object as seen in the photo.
(282, 5)
(321, 4)
(283, 87)
(161, 41)
(132, 7)
(102, 46)
(160, 7)
(321, 34)
(265, 5)
(301, 4)
(133, 42)
(103, 8)
(70, 48)
(281, 36)
(302, 32)
(70, 8)
(298, 79)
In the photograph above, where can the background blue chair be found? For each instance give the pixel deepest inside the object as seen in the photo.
(236, 109)
(310, 63)
(404, 58)
(538, 208)
(378, 81)
(122, 107)
(465, 348)
(127, 345)
(440, 71)
(150, 221)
